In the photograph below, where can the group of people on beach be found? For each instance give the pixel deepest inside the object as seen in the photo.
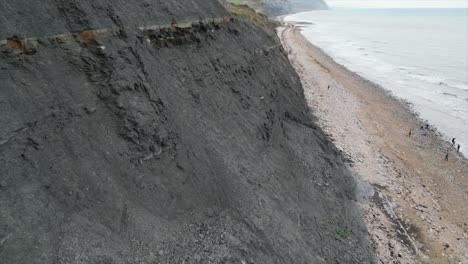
(453, 145)
(426, 127)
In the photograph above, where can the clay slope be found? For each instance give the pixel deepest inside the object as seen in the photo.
(161, 132)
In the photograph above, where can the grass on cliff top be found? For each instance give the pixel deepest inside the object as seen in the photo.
(237, 2)
(254, 4)
(245, 11)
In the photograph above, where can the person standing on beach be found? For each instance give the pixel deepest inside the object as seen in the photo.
(458, 148)
(453, 141)
(410, 132)
(446, 156)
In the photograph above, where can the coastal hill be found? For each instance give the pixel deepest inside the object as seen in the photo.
(162, 131)
(282, 7)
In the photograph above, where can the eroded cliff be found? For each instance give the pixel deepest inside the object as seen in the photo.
(162, 132)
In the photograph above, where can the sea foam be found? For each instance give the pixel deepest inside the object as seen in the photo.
(420, 55)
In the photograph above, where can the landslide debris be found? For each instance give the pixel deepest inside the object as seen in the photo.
(162, 132)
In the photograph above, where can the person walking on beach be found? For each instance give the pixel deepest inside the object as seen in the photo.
(410, 132)
(446, 156)
(453, 141)
(458, 148)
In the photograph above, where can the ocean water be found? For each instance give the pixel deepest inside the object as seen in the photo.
(420, 55)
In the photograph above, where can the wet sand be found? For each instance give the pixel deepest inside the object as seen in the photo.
(415, 203)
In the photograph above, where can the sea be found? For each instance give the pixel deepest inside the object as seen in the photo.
(419, 55)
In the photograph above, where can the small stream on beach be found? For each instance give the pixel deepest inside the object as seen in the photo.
(420, 55)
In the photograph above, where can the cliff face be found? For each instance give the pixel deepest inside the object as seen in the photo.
(282, 7)
(161, 132)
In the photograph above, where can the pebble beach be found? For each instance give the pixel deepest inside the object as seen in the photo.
(415, 203)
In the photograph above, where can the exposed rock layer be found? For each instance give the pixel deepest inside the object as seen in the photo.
(172, 145)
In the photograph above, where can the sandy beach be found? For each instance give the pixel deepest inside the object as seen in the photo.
(414, 202)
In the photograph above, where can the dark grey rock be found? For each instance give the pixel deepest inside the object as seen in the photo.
(116, 155)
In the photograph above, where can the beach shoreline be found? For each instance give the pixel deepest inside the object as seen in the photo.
(415, 202)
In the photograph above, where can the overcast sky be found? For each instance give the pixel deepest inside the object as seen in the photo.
(398, 3)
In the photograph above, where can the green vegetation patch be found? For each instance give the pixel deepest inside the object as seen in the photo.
(342, 232)
(247, 12)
